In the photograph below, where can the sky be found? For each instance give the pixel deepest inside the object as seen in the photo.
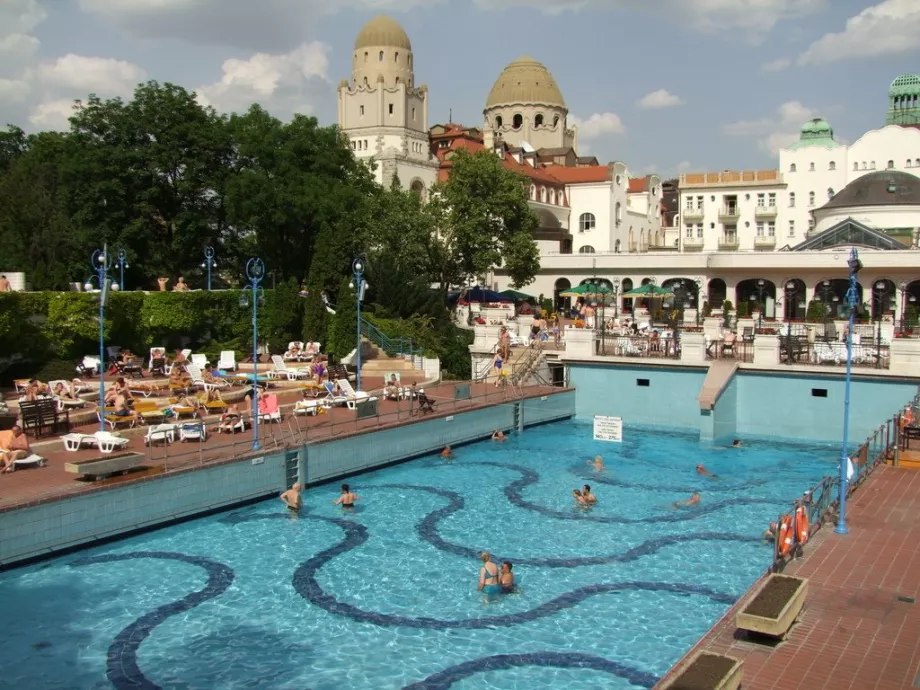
(667, 86)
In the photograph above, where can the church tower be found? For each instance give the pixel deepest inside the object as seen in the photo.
(382, 112)
(904, 101)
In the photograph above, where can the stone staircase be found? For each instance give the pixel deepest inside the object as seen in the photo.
(376, 362)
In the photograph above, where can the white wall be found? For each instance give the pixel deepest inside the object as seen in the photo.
(880, 217)
(591, 198)
(755, 205)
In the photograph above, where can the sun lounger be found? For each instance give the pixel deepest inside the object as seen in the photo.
(31, 461)
(313, 407)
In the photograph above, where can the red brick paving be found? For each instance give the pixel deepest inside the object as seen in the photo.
(853, 634)
(30, 486)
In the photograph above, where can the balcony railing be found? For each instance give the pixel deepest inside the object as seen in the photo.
(693, 214)
(765, 212)
(738, 350)
(729, 214)
(692, 242)
(728, 242)
(765, 241)
(664, 346)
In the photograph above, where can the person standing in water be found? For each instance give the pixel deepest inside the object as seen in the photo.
(488, 575)
(292, 498)
(506, 577)
(347, 498)
(597, 463)
(589, 498)
(692, 501)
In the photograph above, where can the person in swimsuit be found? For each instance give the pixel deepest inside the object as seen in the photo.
(598, 464)
(447, 453)
(498, 435)
(488, 575)
(579, 499)
(347, 499)
(700, 469)
(506, 577)
(692, 501)
(587, 496)
(736, 443)
(291, 498)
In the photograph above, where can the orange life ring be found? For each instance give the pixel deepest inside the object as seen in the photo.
(801, 525)
(784, 545)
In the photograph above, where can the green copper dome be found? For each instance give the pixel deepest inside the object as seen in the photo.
(905, 85)
(816, 132)
(904, 101)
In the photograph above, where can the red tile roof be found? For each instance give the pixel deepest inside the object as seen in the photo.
(638, 184)
(579, 175)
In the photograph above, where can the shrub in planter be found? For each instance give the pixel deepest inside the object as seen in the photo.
(775, 606)
(708, 671)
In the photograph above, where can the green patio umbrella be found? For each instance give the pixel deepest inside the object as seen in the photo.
(518, 296)
(585, 289)
(649, 290)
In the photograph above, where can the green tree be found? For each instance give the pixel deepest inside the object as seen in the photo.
(315, 319)
(483, 220)
(343, 336)
(13, 143)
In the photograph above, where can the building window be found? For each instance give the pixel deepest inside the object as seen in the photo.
(362, 111)
(792, 167)
(907, 165)
(872, 165)
(771, 199)
(688, 232)
(538, 121)
(830, 192)
(855, 167)
(890, 164)
(518, 121)
(381, 56)
(699, 203)
(811, 224)
(552, 196)
(562, 198)
(832, 166)
(543, 194)
(586, 249)
(391, 108)
(917, 163)
(811, 198)
(689, 205)
(791, 228)
(365, 81)
(555, 121)
(791, 199)
(413, 114)
(619, 213)
(396, 58)
(761, 200)
(760, 227)
(699, 231)
(365, 58)
(771, 229)
(811, 167)
(586, 221)
(397, 81)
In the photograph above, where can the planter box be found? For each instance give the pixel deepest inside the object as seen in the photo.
(775, 606)
(98, 468)
(708, 671)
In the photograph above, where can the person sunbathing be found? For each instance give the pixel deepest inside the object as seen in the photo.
(119, 388)
(13, 446)
(66, 393)
(179, 377)
(229, 420)
(293, 352)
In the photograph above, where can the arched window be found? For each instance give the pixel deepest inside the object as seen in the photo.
(619, 213)
(518, 121)
(917, 163)
(562, 198)
(811, 198)
(555, 121)
(616, 248)
(832, 166)
(538, 121)
(855, 166)
(396, 57)
(533, 192)
(365, 57)
(830, 192)
(586, 221)
(365, 81)
(381, 56)
(586, 249)
(792, 168)
(791, 199)
(872, 165)
(543, 194)
(552, 196)
(908, 164)
(890, 165)
(397, 80)
(498, 122)
(811, 166)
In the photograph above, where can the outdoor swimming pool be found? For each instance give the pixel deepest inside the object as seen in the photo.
(385, 597)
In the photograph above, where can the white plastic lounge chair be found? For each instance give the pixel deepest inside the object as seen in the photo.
(331, 397)
(269, 410)
(311, 351)
(281, 370)
(89, 365)
(300, 351)
(227, 361)
(108, 442)
(74, 442)
(198, 378)
(232, 425)
(193, 432)
(352, 395)
(200, 361)
(312, 407)
(32, 460)
(160, 432)
(64, 403)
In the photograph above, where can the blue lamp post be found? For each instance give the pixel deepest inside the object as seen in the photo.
(854, 265)
(209, 263)
(358, 285)
(122, 265)
(255, 271)
(101, 263)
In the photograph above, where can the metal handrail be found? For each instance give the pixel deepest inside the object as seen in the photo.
(391, 345)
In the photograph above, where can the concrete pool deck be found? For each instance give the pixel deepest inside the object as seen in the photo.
(29, 487)
(854, 633)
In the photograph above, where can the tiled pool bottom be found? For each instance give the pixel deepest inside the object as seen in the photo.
(385, 597)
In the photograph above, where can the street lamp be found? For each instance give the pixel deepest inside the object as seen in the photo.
(101, 263)
(699, 286)
(616, 298)
(882, 292)
(255, 272)
(906, 300)
(122, 265)
(358, 285)
(761, 288)
(791, 289)
(854, 265)
(209, 263)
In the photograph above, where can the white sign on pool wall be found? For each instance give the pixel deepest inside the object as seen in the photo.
(608, 428)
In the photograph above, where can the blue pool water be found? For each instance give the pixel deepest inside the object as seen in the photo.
(385, 597)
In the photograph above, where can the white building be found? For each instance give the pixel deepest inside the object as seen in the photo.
(382, 112)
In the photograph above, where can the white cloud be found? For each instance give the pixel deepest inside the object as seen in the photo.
(777, 65)
(597, 125)
(52, 115)
(264, 25)
(683, 166)
(777, 132)
(888, 28)
(84, 74)
(20, 16)
(661, 98)
(753, 17)
(283, 83)
(16, 90)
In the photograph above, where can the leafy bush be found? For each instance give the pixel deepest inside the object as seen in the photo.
(816, 312)
(343, 336)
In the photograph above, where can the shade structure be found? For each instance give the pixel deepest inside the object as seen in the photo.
(585, 289)
(516, 296)
(478, 294)
(649, 290)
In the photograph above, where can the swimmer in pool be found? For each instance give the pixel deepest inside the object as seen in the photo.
(447, 452)
(506, 577)
(292, 499)
(498, 435)
(488, 575)
(579, 499)
(588, 497)
(692, 501)
(347, 498)
(770, 534)
(736, 443)
(597, 463)
(700, 469)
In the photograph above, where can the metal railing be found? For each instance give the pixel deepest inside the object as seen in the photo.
(639, 346)
(390, 345)
(739, 350)
(797, 350)
(820, 502)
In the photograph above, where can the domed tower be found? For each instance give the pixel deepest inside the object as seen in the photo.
(382, 112)
(816, 132)
(526, 105)
(904, 101)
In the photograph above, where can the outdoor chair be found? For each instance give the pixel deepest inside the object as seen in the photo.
(425, 404)
(227, 361)
(747, 335)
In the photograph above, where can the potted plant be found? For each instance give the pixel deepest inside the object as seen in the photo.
(775, 605)
(708, 671)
